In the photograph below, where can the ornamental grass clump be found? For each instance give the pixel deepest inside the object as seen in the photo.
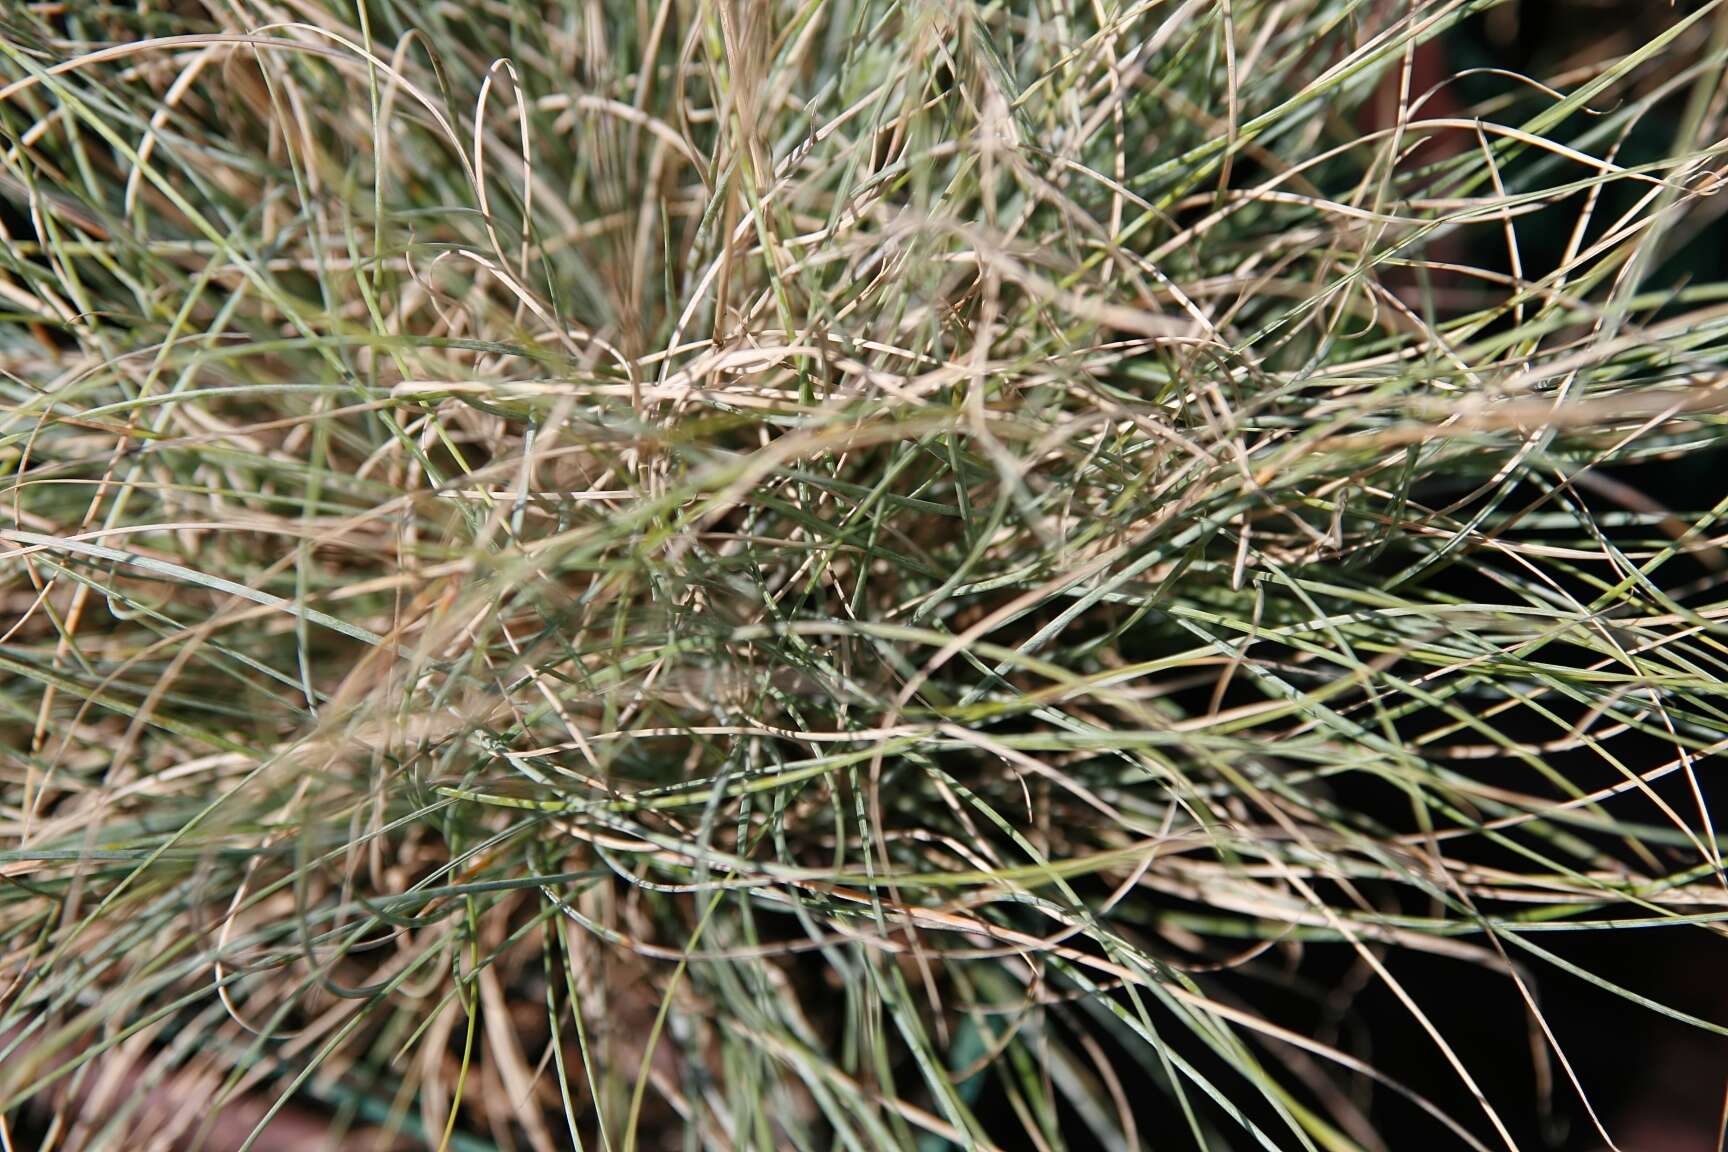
(849, 574)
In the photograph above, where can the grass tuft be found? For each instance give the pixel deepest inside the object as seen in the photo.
(846, 574)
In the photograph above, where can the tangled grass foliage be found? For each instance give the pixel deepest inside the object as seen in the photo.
(837, 574)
